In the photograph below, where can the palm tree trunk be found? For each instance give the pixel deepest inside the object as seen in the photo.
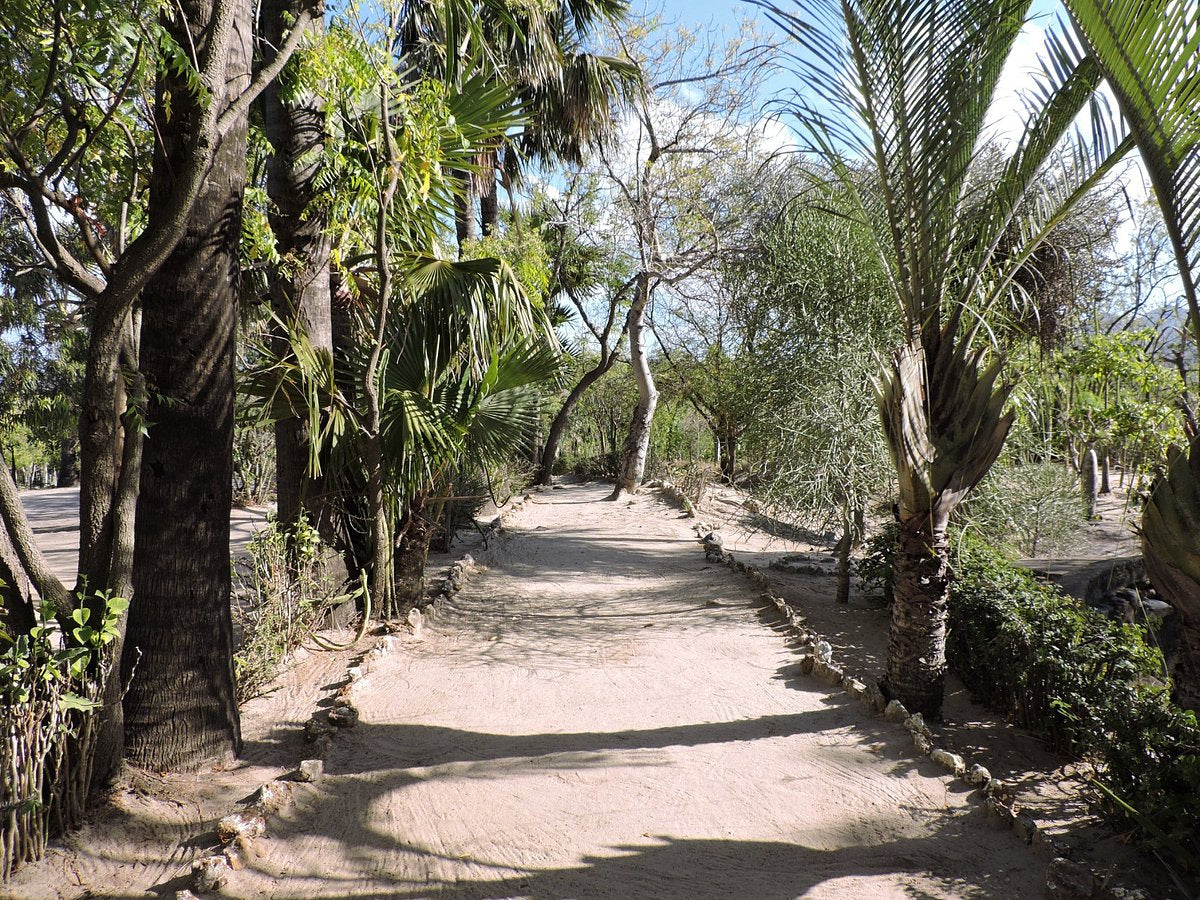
(489, 206)
(181, 709)
(466, 227)
(300, 290)
(412, 549)
(916, 656)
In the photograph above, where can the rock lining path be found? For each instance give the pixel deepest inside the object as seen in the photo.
(602, 714)
(599, 713)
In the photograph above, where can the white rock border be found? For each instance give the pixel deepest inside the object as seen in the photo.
(816, 659)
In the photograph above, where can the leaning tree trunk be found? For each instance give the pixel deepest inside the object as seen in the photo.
(637, 440)
(558, 426)
(181, 709)
(1170, 526)
(300, 289)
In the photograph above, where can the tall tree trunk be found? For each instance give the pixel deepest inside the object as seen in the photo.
(300, 290)
(181, 709)
(68, 462)
(916, 655)
(943, 441)
(558, 426)
(489, 199)
(466, 226)
(727, 445)
(637, 440)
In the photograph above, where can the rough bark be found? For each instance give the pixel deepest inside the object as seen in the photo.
(466, 226)
(727, 447)
(489, 202)
(300, 286)
(180, 710)
(16, 593)
(916, 656)
(68, 463)
(637, 439)
(412, 550)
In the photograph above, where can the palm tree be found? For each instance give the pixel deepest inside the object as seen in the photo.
(905, 87)
(569, 96)
(1149, 53)
(438, 347)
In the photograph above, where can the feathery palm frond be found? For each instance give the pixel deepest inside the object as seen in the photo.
(1149, 52)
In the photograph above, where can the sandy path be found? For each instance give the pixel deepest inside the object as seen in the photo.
(600, 714)
(54, 516)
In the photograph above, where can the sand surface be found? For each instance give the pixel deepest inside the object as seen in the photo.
(54, 517)
(599, 713)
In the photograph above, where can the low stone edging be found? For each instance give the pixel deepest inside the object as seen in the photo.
(239, 831)
(1067, 879)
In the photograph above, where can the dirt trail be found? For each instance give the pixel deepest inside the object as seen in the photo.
(598, 714)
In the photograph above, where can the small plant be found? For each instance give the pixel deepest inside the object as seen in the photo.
(875, 567)
(283, 592)
(49, 688)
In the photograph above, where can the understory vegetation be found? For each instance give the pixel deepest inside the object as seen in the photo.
(1091, 687)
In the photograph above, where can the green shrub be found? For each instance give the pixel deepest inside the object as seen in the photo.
(48, 693)
(1032, 508)
(284, 591)
(875, 567)
(1089, 685)
(1038, 656)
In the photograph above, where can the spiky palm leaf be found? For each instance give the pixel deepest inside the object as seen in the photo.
(907, 85)
(1149, 53)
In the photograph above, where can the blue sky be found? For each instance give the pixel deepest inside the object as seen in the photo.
(729, 11)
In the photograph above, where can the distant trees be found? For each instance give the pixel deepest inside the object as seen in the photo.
(694, 122)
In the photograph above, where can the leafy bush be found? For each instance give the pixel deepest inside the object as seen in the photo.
(48, 691)
(1089, 685)
(875, 567)
(283, 590)
(1038, 656)
(1032, 508)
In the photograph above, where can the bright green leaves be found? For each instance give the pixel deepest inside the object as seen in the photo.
(40, 668)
